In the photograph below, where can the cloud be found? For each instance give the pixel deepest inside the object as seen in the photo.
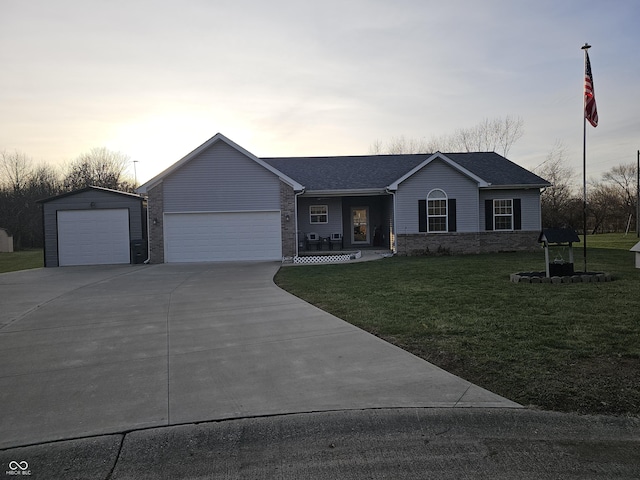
(304, 78)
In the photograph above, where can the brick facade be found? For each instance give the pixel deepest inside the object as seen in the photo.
(463, 243)
(156, 228)
(287, 220)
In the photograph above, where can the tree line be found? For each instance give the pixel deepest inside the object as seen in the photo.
(23, 182)
(611, 199)
(489, 135)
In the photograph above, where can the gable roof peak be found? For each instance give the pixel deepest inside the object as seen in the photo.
(218, 137)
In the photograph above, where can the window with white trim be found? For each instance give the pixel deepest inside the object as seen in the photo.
(318, 214)
(437, 211)
(503, 214)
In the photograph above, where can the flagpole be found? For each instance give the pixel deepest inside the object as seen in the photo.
(585, 47)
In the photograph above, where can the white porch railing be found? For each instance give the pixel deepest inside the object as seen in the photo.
(332, 258)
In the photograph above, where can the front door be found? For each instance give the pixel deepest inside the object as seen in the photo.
(359, 225)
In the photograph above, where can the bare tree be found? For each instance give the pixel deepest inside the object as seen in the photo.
(511, 131)
(44, 182)
(623, 177)
(21, 184)
(99, 167)
(400, 145)
(376, 148)
(557, 200)
(15, 169)
(612, 201)
(497, 135)
(603, 209)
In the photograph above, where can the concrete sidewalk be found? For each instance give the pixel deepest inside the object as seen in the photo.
(414, 443)
(88, 351)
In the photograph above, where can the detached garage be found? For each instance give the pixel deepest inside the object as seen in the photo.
(93, 226)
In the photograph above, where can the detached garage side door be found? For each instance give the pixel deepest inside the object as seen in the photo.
(93, 237)
(219, 237)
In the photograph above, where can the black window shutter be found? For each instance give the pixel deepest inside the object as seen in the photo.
(517, 214)
(488, 214)
(422, 213)
(452, 215)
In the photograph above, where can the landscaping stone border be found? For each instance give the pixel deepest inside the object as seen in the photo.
(541, 277)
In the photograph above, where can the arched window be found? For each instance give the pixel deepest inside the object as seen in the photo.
(437, 211)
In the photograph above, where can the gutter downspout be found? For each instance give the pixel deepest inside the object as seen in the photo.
(146, 262)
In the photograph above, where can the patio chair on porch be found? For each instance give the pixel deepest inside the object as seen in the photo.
(313, 239)
(335, 241)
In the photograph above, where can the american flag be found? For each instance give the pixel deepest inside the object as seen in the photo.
(590, 109)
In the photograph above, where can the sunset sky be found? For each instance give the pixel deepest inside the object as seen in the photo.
(155, 79)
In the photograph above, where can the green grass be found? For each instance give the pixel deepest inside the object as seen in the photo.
(22, 260)
(568, 347)
(611, 240)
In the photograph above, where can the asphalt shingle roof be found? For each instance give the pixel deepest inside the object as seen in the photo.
(346, 173)
(372, 172)
(495, 169)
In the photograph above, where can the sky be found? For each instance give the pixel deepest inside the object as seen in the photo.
(154, 79)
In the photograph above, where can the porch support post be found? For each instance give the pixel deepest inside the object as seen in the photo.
(295, 213)
(394, 234)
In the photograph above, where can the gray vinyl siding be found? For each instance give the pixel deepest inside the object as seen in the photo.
(82, 201)
(530, 206)
(456, 185)
(334, 224)
(221, 179)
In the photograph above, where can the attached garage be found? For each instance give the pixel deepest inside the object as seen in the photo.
(222, 236)
(94, 226)
(221, 203)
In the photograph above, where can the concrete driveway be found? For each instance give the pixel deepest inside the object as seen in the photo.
(95, 350)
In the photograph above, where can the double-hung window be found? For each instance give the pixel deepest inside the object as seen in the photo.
(437, 211)
(318, 214)
(503, 214)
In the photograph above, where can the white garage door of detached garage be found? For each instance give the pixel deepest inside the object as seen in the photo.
(219, 237)
(93, 237)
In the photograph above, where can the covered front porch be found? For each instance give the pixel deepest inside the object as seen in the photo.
(344, 223)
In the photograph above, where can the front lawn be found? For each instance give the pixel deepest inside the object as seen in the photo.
(618, 241)
(22, 260)
(568, 347)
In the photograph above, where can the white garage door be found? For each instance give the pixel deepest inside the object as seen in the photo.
(215, 237)
(93, 237)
